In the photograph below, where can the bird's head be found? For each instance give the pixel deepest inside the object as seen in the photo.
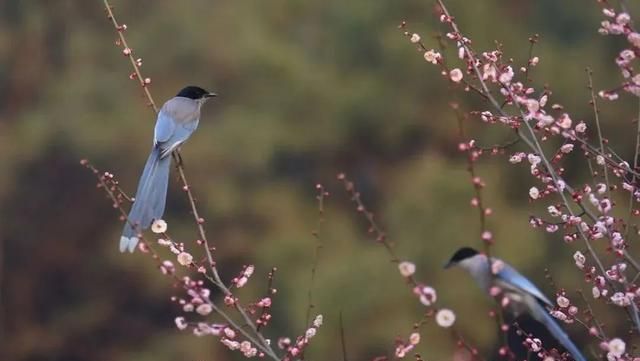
(196, 93)
(461, 255)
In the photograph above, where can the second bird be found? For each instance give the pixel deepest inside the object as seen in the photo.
(524, 297)
(177, 119)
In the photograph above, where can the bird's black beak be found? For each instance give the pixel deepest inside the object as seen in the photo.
(210, 95)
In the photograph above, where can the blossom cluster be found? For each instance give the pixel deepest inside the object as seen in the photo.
(620, 24)
(445, 318)
(427, 296)
(584, 213)
(296, 348)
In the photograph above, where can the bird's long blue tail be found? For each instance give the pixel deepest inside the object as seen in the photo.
(150, 199)
(560, 335)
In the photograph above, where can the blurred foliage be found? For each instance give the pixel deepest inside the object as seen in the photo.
(307, 89)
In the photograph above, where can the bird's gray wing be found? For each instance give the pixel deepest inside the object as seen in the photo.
(165, 128)
(180, 134)
(177, 119)
(512, 277)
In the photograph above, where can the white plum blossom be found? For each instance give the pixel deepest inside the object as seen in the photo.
(616, 347)
(561, 185)
(507, 75)
(407, 269)
(204, 309)
(608, 27)
(559, 315)
(621, 299)
(543, 100)
(284, 342)
(605, 205)
(532, 105)
(248, 350)
(185, 258)
(445, 318)
(427, 295)
(167, 267)
(432, 56)
(310, 333)
(544, 120)
(317, 322)
(553, 211)
(534, 159)
(581, 127)
(623, 18)
(402, 350)
(580, 259)
(627, 55)
(496, 266)
(573, 310)
(241, 282)
(534, 344)
(461, 52)
(563, 301)
(159, 226)
(634, 39)
(564, 121)
(232, 345)
(181, 323)
(517, 158)
(414, 338)
(229, 333)
(486, 116)
(609, 95)
(566, 148)
(489, 72)
(455, 75)
(204, 329)
(249, 270)
(415, 38)
(534, 193)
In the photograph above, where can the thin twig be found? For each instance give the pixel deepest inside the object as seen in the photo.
(482, 210)
(269, 293)
(596, 114)
(320, 197)
(343, 341)
(374, 228)
(636, 153)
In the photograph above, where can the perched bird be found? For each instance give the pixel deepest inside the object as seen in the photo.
(177, 119)
(524, 297)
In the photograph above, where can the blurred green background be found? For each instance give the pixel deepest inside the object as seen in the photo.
(307, 89)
